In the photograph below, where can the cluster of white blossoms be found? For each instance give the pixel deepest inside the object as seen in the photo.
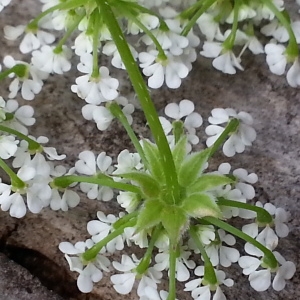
(173, 205)
(218, 245)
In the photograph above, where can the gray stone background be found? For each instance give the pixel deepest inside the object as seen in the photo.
(32, 267)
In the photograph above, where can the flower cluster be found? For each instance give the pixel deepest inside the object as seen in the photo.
(207, 196)
(174, 205)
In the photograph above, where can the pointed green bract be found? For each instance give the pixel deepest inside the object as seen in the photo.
(179, 152)
(207, 182)
(148, 185)
(201, 205)
(175, 222)
(153, 158)
(150, 214)
(192, 167)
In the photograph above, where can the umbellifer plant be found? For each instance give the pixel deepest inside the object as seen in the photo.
(176, 208)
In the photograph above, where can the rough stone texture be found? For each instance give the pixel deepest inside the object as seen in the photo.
(17, 283)
(33, 241)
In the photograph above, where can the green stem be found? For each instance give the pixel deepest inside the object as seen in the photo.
(144, 263)
(130, 15)
(209, 272)
(32, 145)
(19, 70)
(125, 219)
(71, 4)
(229, 42)
(100, 179)
(118, 113)
(190, 11)
(263, 216)
(144, 97)
(172, 270)
(269, 257)
(292, 48)
(16, 182)
(205, 6)
(231, 127)
(91, 253)
(58, 48)
(97, 24)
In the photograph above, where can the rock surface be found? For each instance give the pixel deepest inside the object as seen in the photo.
(33, 241)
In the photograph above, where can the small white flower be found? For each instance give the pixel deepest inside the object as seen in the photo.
(3, 3)
(8, 146)
(110, 49)
(244, 135)
(48, 61)
(127, 162)
(128, 200)
(89, 273)
(221, 254)
(285, 272)
(83, 44)
(123, 283)
(88, 164)
(293, 74)
(200, 291)
(209, 27)
(102, 227)
(94, 90)
(30, 83)
(149, 21)
(21, 116)
(32, 39)
(227, 63)
(183, 264)
(276, 58)
(171, 70)
(170, 40)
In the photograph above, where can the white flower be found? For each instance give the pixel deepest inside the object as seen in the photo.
(21, 116)
(127, 162)
(261, 280)
(293, 74)
(245, 12)
(209, 27)
(149, 21)
(128, 200)
(89, 273)
(94, 90)
(227, 62)
(103, 117)
(285, 272)
(170, 40)
(49, 61)
(32, 40)
(201, 291)
(37, 191)
(30, 83)
(206, 235)
(3, 3)
(243, 136)
(185, 108)
(183, 264)
(220, 254)
(211, 49)
(171, 70)
(123, 283)
(276, 58)
(101, 228)
(83, 44)
(152, 294)
(88, 164)
(8, 146)
(110, 49)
